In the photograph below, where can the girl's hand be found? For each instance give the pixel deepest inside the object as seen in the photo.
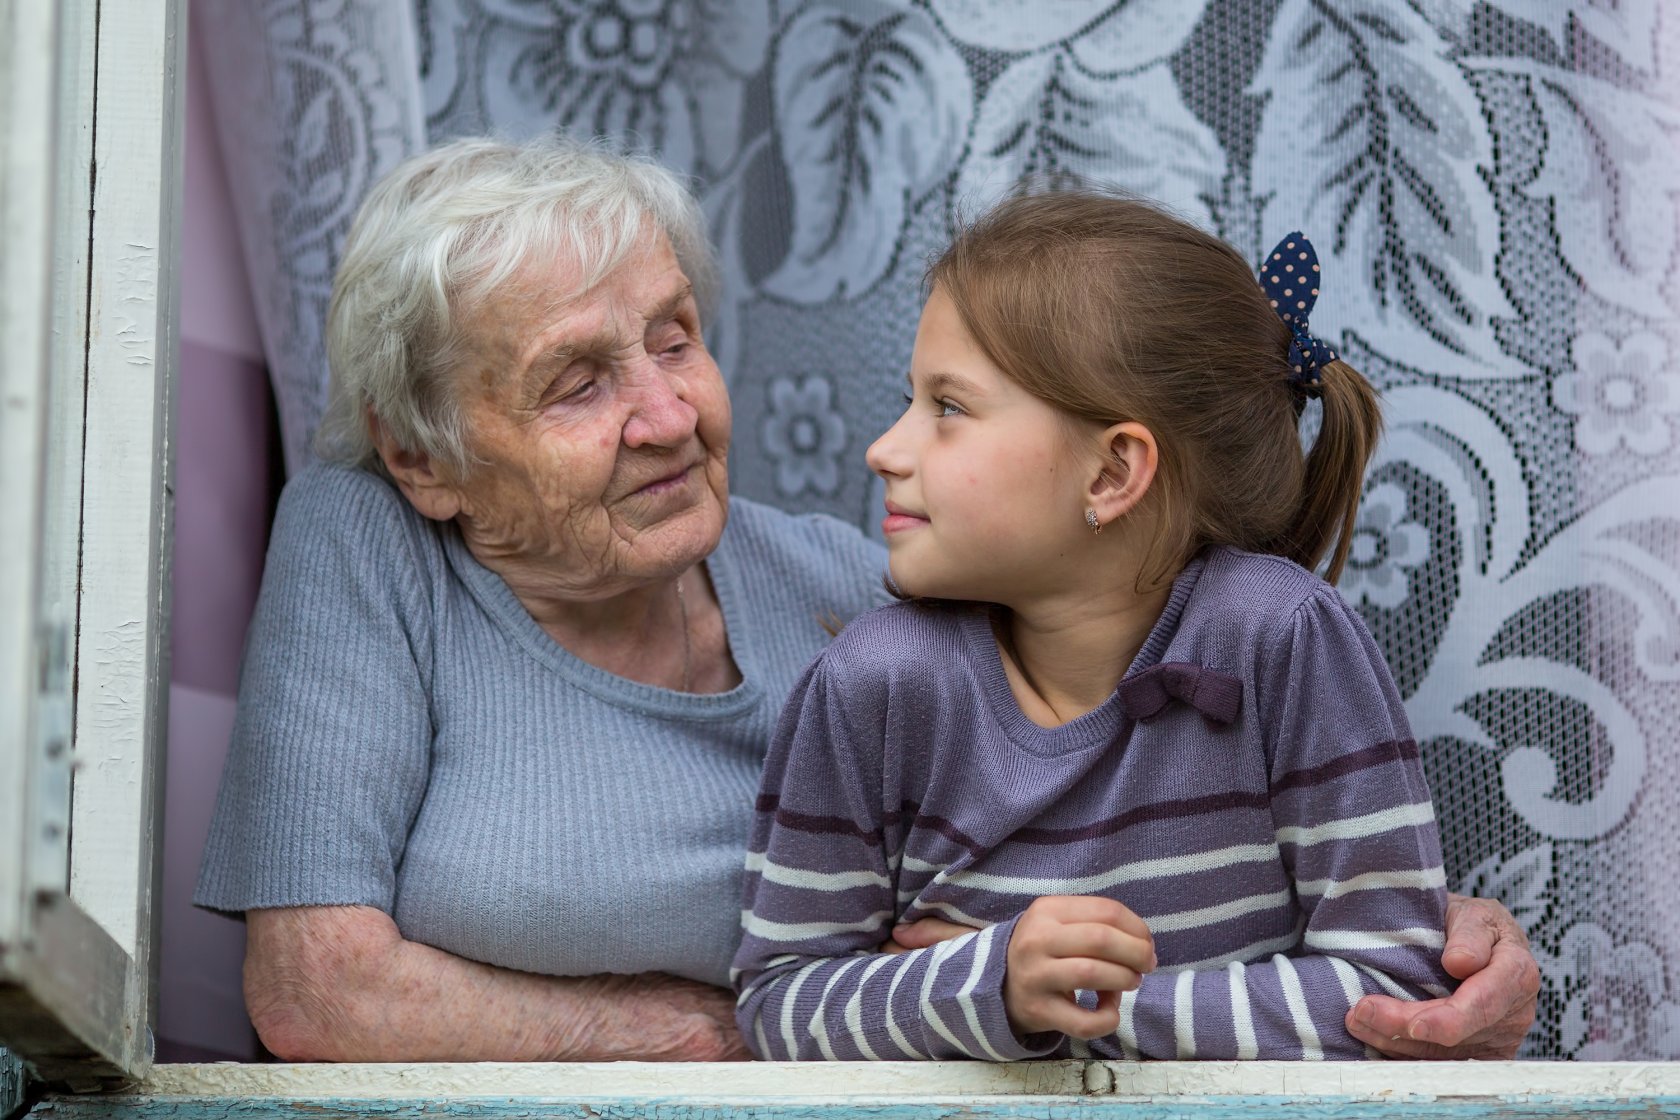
(1063, 943)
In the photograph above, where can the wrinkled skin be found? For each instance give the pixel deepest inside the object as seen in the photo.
(599, 432)
(1487, 1017)
(340, 984)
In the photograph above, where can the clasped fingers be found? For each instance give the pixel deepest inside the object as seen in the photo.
(1063, 944)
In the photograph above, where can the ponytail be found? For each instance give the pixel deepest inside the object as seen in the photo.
(1335, 475)
(1107, 308)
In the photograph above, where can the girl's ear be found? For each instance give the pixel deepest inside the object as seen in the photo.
(428, 489)
(1127, 470)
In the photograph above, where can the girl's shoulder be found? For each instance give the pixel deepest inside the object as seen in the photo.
(1258, 586)
(1250, 599)
(910, 637)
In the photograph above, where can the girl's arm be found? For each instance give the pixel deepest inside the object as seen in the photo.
(1356, 830)
(820, 898)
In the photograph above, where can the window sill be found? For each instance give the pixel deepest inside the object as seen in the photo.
(887, 1091)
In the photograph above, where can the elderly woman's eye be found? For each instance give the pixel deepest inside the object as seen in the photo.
(576, 391)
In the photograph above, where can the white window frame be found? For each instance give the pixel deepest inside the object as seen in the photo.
(89, 206)
(90, 111)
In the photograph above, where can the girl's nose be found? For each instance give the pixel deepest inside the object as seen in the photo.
(887, 455)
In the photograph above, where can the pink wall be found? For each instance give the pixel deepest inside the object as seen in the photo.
(224, 481)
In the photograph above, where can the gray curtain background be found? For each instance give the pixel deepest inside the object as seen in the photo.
(1492, 188)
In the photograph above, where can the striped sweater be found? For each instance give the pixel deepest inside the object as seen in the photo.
(1251, 790)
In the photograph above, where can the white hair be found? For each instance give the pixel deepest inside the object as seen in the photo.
(440, 234)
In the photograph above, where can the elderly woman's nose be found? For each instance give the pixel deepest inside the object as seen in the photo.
(660, 416)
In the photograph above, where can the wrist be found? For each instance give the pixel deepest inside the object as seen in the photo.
(577, 1029)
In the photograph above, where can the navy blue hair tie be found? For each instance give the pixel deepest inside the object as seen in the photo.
(1289, 274)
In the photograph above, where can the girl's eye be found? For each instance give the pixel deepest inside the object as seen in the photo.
(908, 399)
(946, 408)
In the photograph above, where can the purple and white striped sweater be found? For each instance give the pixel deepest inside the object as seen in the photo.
(1252, 791)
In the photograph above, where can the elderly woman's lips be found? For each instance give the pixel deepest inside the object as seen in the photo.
(667, 482)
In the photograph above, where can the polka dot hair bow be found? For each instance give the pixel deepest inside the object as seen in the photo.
(1289, 275)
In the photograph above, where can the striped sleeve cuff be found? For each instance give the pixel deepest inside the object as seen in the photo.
(963, 1000)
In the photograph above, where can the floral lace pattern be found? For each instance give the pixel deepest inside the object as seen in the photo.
(1490, 188)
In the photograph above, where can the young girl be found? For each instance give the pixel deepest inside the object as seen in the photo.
(1120, 727)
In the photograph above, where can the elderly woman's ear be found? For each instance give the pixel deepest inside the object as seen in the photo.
(424, 482)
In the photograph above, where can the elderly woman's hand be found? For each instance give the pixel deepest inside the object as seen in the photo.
(655, 1017)
(1490, 1013)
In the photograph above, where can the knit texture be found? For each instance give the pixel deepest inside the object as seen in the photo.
(1286, 860)
(409, 738)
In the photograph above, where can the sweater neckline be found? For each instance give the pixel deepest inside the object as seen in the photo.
(497, 599)
(1101, 725)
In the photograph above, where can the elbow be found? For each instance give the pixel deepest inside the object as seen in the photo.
(304, 985)
(301, 1018)
(289, 1031)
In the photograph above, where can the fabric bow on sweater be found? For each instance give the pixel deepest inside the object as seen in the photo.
(1217, 696)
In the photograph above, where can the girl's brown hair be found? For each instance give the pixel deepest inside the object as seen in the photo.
(1109, 309)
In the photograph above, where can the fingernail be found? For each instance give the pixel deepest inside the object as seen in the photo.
(1419, 1032)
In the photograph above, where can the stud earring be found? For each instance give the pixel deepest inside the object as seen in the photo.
(1091, 520)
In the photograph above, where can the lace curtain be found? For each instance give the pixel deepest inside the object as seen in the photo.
(1492, 187)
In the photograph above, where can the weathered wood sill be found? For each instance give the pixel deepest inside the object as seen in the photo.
(890, 1091)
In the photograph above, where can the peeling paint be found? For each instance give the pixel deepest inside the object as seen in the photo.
(859, 1107)
(1070, 1090)
(11, 1083)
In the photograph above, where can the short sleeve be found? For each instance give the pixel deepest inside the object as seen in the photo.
(331, 741)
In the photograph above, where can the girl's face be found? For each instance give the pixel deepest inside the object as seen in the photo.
(985, 496)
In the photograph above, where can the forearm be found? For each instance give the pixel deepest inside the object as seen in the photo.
(1284, 1008)
(942, 1002)
(341, 984)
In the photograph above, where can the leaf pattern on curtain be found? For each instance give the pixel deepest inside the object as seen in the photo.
(1494, 189)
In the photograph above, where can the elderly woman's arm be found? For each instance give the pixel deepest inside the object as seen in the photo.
(339, 983)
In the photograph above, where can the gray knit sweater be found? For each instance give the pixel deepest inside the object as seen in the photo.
(409, 738)
(1251, 790)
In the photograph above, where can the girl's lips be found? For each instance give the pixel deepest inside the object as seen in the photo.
(899, 522)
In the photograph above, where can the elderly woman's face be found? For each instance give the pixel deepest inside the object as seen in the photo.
(601, 426)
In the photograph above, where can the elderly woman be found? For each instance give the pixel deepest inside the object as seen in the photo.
(518, 655)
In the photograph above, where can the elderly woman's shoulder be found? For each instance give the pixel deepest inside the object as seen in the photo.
(349, 505)
(774, 527)
(817, 558)
(325, 488)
